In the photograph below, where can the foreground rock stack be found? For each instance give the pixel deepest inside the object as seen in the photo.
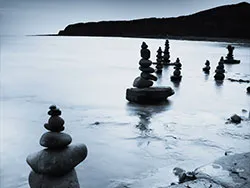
(159, 59)
(176, 77)
(219, 72)
(53, 167)
(143, 93)
(230, 58)
(207, 67)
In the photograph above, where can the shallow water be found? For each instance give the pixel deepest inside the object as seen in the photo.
(129, 145)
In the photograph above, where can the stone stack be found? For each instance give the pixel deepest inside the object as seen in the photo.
(219, 72)
(143, 93)
(230, 58)
(176, 77)
(159, 58)
(145, 80)
(53, 167)
(207, 67)
(166, 55)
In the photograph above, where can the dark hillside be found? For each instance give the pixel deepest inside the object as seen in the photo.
(229, 21)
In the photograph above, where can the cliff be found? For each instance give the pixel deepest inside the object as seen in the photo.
(229, 21)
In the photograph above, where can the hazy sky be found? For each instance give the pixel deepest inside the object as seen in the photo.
(49, 16)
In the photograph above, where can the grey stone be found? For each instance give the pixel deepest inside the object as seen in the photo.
(150, 95)
(57, 162)
(235, 119)
(145, 63)
(55, 140)
(147, 70)
(140, 82)
(148, 76)
(69, 180)
(55, 124)
(248, 89)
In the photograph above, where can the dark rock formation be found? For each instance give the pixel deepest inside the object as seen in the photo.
(54, 166)
(230, 58)
(229, 21)
(166, 54)
(159, 59)
(176, 77)
(143, 93)
(219, 72)
(207, 67)
(235, 119)
(144, 81)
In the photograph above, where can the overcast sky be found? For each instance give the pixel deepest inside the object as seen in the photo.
(49, 16)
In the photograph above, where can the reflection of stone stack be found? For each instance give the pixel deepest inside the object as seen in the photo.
(166, 55)
(54, 166)
(143, 93)
(177, 72)
(145, 80)
(159, 65)
(219, 72)
(206, 69)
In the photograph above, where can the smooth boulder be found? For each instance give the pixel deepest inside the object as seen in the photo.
(57, 162)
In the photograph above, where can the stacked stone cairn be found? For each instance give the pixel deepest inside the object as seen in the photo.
(230, 58)
(142, 92)
(53, 167)
(166, 54)
(176, 77)
(219, 72)
(207, 67)
(145, 80)
(159, 59)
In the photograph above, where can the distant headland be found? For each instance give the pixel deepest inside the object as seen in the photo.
(225, 22)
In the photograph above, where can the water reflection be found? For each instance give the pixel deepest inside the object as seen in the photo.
(145, 113)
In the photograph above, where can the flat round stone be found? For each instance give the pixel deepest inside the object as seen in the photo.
(145, 63)
(55, 124)
(147, 70)
(148, 76)
(152, 95)
(57, 162)
(55, 140)
(140, 82)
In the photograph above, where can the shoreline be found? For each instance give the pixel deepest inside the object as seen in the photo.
(189, 38)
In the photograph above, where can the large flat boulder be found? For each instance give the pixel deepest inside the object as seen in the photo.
(152, 95)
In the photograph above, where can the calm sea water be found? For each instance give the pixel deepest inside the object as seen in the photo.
(133, 145)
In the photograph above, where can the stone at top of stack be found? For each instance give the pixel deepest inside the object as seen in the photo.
(159, 59)
(145, 79)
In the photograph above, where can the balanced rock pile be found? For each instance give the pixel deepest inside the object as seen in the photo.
(207, 67)
(176, 77)
(219, 72)
(143, 93)
(166, 54)
(53, 167)
(230, 58)
(159, 58)
(145, 80)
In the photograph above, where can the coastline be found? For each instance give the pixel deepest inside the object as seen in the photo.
(189, 38)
